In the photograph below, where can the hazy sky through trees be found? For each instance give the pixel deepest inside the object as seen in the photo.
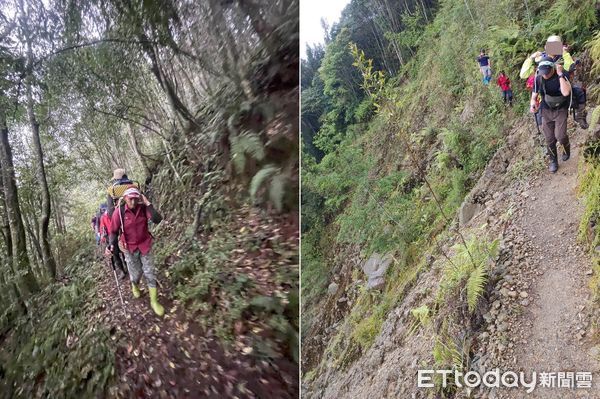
(311, 12)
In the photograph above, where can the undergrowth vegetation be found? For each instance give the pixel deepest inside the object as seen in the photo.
(56, 351)
(222, 284)
(589, 174)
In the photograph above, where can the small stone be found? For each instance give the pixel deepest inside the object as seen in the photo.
(512, 294)
(523, 294)
(589, 272)
(332, 289)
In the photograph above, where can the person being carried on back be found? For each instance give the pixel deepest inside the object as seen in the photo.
(135, 241)
(559, 53)
(553, 86)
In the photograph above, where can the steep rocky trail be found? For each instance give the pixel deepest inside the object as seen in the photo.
(542, 321)
(537, 312)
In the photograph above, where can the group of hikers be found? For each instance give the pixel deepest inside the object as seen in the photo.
(121, 230)
(552, 93)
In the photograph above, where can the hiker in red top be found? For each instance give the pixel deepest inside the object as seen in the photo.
(136, 242)
(104, 234)
(504, 83)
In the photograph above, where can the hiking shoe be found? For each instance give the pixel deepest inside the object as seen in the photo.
(553, 167)
(566, 156)
(157, 307)
(135, 291)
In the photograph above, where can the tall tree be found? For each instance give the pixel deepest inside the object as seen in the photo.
(47, 257)
(20, 261)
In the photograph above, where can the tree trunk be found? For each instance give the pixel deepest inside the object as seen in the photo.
(136, 148)
(27, 283)
(48, 258)
(34, 240)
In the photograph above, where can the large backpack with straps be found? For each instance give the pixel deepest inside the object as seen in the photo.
(118, 187)
(576, 98)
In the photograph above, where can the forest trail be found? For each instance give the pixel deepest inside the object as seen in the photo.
(552, 331)
(174, 357)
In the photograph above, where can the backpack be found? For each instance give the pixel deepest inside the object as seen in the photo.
(579, 96)
(555, 102)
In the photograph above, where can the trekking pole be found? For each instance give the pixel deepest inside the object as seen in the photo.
(112, 262)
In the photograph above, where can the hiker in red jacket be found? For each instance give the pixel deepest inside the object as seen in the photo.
(504, 83)
(135, 241)
(104, 234)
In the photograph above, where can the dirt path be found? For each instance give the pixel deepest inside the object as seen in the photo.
(173, 358)
(555, 322)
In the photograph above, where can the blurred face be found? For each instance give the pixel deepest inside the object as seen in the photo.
(132, 202)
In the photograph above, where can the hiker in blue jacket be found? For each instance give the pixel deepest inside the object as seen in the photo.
(485, 66)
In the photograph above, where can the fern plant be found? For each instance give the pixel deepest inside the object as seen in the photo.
(277, 182)
(467, 270)
(247, 143)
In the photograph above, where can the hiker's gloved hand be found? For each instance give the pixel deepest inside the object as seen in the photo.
(108, 251)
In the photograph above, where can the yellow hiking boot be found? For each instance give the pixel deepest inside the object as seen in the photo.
(157, 307)
(135, 290)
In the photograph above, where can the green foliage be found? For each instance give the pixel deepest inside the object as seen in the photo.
(315, 268)
(467, 269)
(450, 353)
(63, 351)
(410, 37)
(422, 314)
(475, 285)
(367, 330)
(246, 143)
(221, 295)
(595, 118)
(589, 189)
(277, 184)
(373, 81)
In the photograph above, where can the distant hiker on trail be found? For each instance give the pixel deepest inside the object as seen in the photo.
(104, 226)
(135, 241)
(553, 86)
(504, 83)
(94, 224)
(485, 66)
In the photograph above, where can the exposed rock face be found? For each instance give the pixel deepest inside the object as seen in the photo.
(375, 269)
